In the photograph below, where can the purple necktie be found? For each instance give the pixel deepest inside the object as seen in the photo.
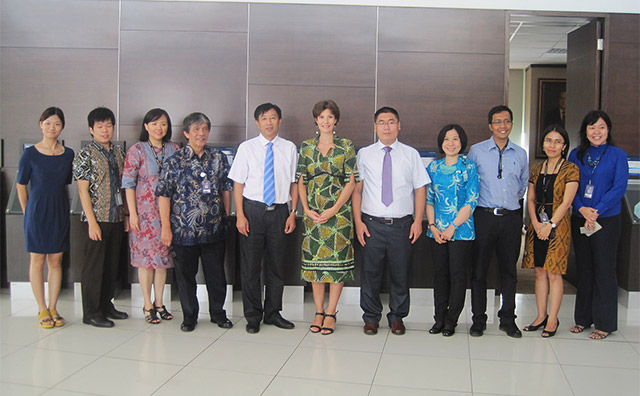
(387, 192)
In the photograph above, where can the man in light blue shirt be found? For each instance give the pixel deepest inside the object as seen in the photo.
(503, 173)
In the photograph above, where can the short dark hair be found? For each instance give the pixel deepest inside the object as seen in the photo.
(100, 114)
(263, 108)
(51, 111)
(324, 105)
(499, 109)
(195, 119)
(461, 134)
(151, 116)
(386, 109)
(556, 128)
(591, 118)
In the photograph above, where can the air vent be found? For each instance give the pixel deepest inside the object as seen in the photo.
(557, 51)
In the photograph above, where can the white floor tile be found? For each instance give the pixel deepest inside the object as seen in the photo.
(426, 372)
(20, 390)
(425, 344)
(531, 348)
(197, 381)
(636, 346)
(379, 390)
(331, 365)
(111, 376)
(596, 353)
(598, 381)
(23, 330)
(6, 349)
(515, 378)
(41, 367)
(285, 386)
(630, 331)
(162, 348)
(81, 338)
(242, 356)
(345, 337)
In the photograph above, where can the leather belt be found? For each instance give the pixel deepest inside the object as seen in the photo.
(263, 205)
(388, 220)
(499, 211)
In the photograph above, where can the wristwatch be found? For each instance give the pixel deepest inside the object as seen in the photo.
(553, 225)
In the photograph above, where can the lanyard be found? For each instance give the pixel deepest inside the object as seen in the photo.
(109, 156)
(500, 161)
(545, 183)
(594, 164)
(155, 156)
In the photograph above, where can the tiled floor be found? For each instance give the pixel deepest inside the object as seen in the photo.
(139, 359)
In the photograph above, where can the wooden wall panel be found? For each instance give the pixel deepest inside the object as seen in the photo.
(184, 16)
(312, 45)
(356, 110)
(441, 30)
(60, 24)
(184, 72)
(76, 80)
(430, 90)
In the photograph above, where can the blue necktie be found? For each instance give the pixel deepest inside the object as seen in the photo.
(269, 194)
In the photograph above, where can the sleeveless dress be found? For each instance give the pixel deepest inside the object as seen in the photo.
(46, 218)
(141, 172)
(327, 252)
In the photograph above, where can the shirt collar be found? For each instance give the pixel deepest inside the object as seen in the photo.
(394, 145)
(264, 140)
(191, 153)
(101, 147)
(491, 144)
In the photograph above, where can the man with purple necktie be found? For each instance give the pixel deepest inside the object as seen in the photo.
(388, 204)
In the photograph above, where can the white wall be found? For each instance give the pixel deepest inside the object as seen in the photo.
(519, 134)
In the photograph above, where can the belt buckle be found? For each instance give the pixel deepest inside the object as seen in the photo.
(388, 220)
(496, 212)
(270, 208)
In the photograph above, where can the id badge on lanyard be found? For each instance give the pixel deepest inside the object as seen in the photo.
(588, 191)
(206, 184)
(118, 198)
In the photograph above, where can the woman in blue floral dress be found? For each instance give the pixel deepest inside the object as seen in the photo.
(451, 200)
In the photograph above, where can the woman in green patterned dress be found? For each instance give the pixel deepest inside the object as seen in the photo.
(326, 178)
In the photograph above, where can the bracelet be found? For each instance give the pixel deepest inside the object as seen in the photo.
(454, 226)
(430, 225)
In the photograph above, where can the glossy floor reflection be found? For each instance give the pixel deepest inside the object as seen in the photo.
(135, 358)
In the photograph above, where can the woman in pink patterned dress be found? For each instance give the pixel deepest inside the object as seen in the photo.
(140, 178)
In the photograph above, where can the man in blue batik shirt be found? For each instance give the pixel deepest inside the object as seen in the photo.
(503, 173)
(194, 196)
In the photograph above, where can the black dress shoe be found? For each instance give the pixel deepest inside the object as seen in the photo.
(511, 329)
(436, 328)
(115, 314)
(448, 331)
(253, 328)
(223, 322)
(187, 326)
(99, 321)
(477, 329)
(280, 322)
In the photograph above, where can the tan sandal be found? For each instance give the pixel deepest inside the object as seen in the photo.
(45, 320)
(57, 319)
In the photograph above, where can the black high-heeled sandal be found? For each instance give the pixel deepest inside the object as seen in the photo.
(164, 314)
(533, 327)
(548, 334)
(150, 315)
(315, 328)
(329, 330)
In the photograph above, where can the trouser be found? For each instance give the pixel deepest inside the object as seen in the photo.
(100, 269)
(502, 235)
(185, 262)
(390, 241)
(266, 238)
(596, 262)
(451, 261)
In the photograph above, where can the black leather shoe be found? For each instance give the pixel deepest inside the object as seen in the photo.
(98, 322)
(253, 328)
(223, 323)
(511, 329)
(477, 329)
(448, 331)
(115, 314)
(187, 326)
(280, 322)
(436, 328)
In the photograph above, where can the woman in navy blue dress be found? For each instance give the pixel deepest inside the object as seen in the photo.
(47, 166)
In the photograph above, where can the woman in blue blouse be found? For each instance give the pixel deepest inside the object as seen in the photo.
(604, 172)
(451, 200)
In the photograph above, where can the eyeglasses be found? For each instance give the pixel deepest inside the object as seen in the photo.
(390, 123)
(500, 122)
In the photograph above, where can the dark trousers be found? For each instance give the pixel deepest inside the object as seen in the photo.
(451, 261)
(266, 239)
(100, 269)
(391, 242)
(596, 262)
(502, 235)
(185, 262)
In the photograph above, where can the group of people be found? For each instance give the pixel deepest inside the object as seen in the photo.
(175, 204)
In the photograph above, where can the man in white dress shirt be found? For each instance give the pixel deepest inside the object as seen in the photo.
(264, 175)
(388, 205)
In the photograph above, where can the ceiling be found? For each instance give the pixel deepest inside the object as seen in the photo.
(536, 39)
